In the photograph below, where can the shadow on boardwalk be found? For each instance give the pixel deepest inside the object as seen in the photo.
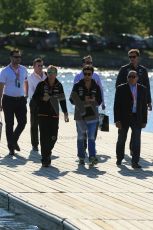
(51, 173)
(13, 161)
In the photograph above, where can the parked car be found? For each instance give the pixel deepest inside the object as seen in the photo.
(149, 42)
(3, 39)
(88, 41)
(126, 41)
(35, 37)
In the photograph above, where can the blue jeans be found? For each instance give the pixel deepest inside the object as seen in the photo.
(88, 127)
(135, 141)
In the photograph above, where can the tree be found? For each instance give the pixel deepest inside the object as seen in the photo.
(63, 13)
(39, 16)
(13, 14)
(88, 20)
(121, 16)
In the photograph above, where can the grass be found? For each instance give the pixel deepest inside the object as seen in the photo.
(72, 57)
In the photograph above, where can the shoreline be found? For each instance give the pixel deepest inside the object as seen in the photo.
(105, 59)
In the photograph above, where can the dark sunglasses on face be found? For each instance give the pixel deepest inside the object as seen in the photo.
(132, 76)
(40, 65)
(89, 62)
(132, 57)
(87, 74)
(49, 72)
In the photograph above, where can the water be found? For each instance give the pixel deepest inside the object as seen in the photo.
(9, 221)
(108, 77)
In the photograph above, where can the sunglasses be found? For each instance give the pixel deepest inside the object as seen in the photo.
(40, 65)
(132, 76)
(16, 56)
(132, 57)
(51, 72)
(88, 62)
(87, 74)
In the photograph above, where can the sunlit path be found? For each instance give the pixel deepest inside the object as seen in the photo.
(104, 197)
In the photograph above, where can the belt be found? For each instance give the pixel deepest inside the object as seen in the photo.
(13, 98)
(133, 114)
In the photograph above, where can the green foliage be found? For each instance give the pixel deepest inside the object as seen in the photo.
(38, 17)
(63, 13)
(13, 14)
(104, 17)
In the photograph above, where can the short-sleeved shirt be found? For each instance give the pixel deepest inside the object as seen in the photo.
(8, 77)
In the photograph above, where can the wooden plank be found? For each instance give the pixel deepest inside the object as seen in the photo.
(105, 197)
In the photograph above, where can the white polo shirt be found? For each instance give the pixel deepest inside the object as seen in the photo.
(8, 78)
(33, 81)
(95, 77)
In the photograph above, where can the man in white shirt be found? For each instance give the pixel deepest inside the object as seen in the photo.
(13, 79)
(37, 76)
(87, 60)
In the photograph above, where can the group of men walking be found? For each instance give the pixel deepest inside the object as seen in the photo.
(45, 92)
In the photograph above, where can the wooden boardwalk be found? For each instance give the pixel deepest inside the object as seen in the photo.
(104, 197)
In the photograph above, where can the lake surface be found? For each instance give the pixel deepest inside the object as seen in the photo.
(108, 77)
(9, 221)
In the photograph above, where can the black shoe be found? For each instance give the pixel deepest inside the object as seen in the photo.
(136, 166)
(46, 165)
(16, 147)
(118, 162)
(92, 161)
(35, 148)
(11, 153)
(81, 161)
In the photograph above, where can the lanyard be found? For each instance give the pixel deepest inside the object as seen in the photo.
(16, 72)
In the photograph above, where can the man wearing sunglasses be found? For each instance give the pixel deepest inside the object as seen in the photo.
(86, 97)
(143, 78)
(37, 76)
(49, 94)
(87, 60)
(13, 82)
(130, 110)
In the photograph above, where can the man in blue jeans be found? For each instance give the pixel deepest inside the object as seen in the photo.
(86, 96)
(130, 110)
(87, 60)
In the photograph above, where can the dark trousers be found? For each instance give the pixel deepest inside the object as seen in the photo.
(135, 141)
(48, 136)
(34, 123)
(14, 106)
